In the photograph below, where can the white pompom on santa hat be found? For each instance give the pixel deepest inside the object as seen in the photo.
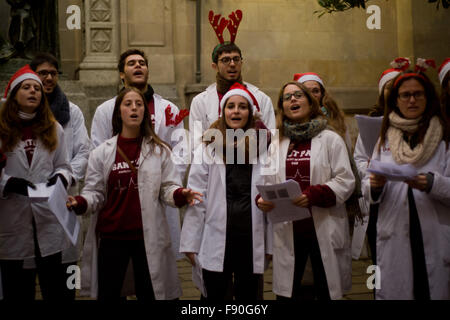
(444, 69)
(308, 76)
(238, 89)
(24, 73)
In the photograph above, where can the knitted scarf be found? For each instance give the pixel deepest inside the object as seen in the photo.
(401, 150)
(304, 131)
(59, 105)
(223, 85)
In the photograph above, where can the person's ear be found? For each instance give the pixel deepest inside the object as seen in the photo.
(214, 66)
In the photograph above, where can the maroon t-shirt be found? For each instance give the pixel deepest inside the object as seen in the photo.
(298, 169)
(30, 143)
(121, 217)
(151, 110)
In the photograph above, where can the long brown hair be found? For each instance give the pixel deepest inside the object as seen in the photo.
(336, 117)
(11, 126)
(378, 109)
(432, 107)
(146, 128)
(280, 116)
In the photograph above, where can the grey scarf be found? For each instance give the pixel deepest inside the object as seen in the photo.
(304, 131)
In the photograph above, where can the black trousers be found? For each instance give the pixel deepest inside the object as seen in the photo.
(372, 232)
(113, 259)
(420, 274)
(20, 284)
(305, 244)
(237, 279)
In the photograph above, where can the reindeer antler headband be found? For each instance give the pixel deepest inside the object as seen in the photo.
(219, 24)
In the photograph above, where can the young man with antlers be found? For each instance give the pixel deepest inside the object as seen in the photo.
(227, 62)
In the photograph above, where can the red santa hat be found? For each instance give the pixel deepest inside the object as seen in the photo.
(308, 76)
(22, 74)
(398, 65)
(387, 76)
(238, 89)
(444, 69)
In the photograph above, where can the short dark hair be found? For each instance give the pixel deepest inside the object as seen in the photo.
(42, 57)
(126, 54)
(226, 47)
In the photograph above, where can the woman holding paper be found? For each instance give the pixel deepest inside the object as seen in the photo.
(317, 159)
(362, 156)
(412, 245)
(127, 178)
(228, 232)
(34, 143)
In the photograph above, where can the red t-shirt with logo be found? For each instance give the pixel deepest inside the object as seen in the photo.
(298, 169)
(30, 143)
(121, 217)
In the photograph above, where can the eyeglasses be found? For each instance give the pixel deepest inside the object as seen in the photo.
(406, 96)
(227, 60)
(45, 73)
(296, 94)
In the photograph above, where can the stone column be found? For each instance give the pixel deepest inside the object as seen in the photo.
(102, 42)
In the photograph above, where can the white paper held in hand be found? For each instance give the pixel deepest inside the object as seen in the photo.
(369, 130)
(56, 197)
(392, 171)
(282, 196)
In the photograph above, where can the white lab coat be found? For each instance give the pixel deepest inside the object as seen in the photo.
(101, 131)
(329, 165)
(78, 148)
(157, 180)
(393, 243)
(204, 225)
(16, 231)
(205, 108)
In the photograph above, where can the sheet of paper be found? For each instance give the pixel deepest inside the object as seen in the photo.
(369, 130)
(282, 195)
(56, 197)
(392, 171)
(41, 193)
(197, 276)
(359, 236)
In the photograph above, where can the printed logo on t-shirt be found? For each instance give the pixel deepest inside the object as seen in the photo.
(125, 178)
(30, 146)
(294, 160)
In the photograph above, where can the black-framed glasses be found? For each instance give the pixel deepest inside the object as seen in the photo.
(45, 73)
(227, 60)
(296, 94)
(405, 96)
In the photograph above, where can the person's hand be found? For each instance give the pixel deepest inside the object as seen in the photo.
(191, 196)
(18, 186)
(419, 182)
(265, 206)
(71, 203)
(301, 201)
(52, 181)
(191, 257)
(377, 182)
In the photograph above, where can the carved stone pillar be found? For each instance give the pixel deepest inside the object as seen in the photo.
(102, 42)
